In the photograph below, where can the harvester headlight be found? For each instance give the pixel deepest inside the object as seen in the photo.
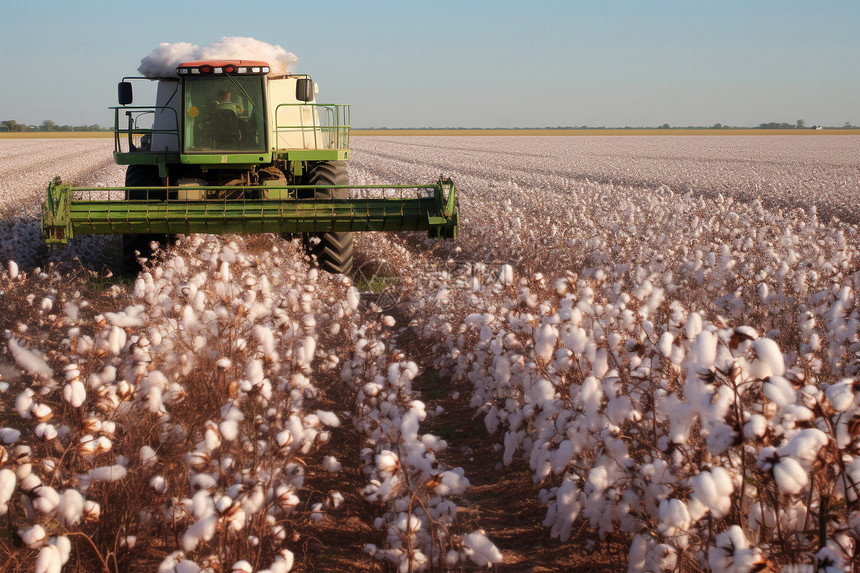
(255, 70)
(195, 71)
(182, 71)
(265, 69)
(243, 70)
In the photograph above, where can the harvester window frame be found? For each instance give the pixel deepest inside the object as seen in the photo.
(255, 114)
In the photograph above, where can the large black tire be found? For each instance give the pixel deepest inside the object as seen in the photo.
(332, 251)
(140, 244)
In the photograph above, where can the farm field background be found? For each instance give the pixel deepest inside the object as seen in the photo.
(641, 351)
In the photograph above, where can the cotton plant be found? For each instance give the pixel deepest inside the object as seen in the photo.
(669, 345)
(217, 368)
(523, 355)
(404, 475)
(569, 377)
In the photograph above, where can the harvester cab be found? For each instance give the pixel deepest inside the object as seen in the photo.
(229, 148)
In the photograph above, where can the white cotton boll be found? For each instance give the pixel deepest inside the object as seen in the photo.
(47, 501)
(371, 389)
(452, 482)
(42, 412)
(661, 557)
(29, 481)
(229, 430)
(177, 562)
(769, 360)
(790, 476)
(255, 501)
(693, 325)
(71, 507)
(202, 529)
(24, 402)
(328, 418)
(638, 553)
(599, 363)
(64, 547)
(116, 340)
(92, 510)
(590, 396)
(48, 560)
(561, 457)
(75, 393)
(33, 536)
(9, 435)
(805, 445)
(480, 549)
(7, 488)
(545, 338)
(674, 516)
(108, 473)
(283, 562)
(779, 391)
(305, 354)
(387, 462)
(29, 361)
(12, 266)
(621, 409)
(285, 439)
(541, 391)
(711, 489)
(211, 439)
(664, 345)
(755, 427)
(148, 457)
(705, 350)
(202, 483)
(158, 483)
(409, 425)
(241, 567)
(733, 553)
(353, 297)
(335, 499)
(266, 338)
(331, 464)
(841, 395)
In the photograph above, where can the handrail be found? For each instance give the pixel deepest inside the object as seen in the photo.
(337, 122)
(131, 131)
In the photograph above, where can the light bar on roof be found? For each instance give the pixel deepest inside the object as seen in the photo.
(209, 69)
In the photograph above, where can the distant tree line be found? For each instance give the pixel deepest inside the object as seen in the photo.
(801, 124)
(47, 125)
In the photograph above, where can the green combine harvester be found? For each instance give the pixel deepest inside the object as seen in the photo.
(229, 149)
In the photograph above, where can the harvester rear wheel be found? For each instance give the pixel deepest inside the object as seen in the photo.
(333, 251)
(139, 176)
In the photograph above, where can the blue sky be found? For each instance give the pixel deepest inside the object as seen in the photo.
(467, 63)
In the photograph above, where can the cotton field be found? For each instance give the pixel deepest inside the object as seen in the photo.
(663, 331)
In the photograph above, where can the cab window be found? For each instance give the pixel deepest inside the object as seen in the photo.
(224, 113)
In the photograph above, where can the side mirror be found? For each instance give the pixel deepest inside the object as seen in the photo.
(304, 89)
(124, 93)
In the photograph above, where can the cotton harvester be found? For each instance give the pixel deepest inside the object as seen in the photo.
(229, 149)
